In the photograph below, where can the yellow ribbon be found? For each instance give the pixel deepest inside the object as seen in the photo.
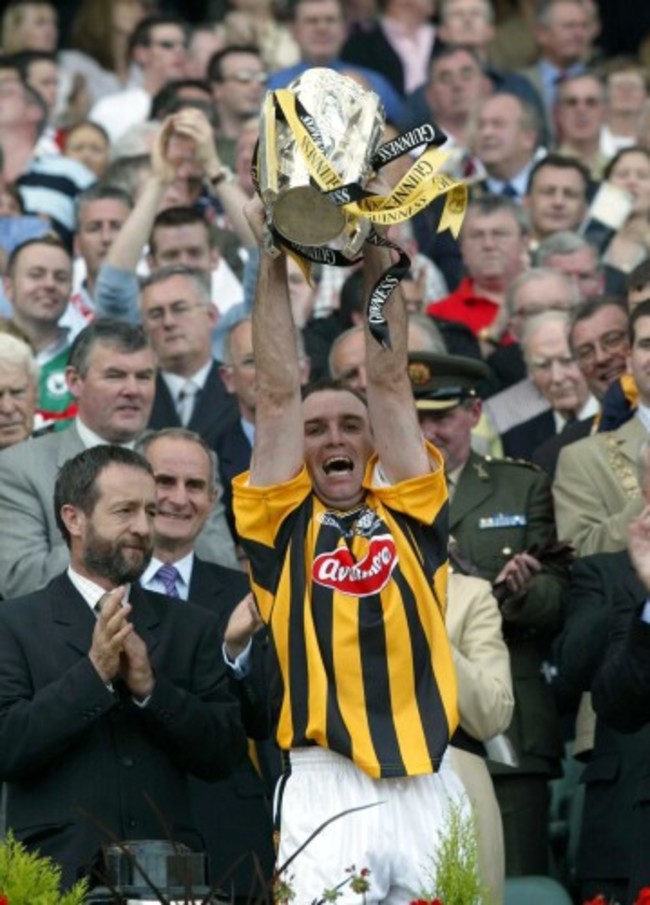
(421, 185)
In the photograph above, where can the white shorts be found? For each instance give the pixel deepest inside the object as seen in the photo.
(395, 840)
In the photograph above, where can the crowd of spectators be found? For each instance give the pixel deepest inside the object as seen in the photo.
(127, 133)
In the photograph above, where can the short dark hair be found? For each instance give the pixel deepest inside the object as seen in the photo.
(295, 6)
(86, 124)
(639, 276)
(8, 61)
(76, 482)
(444, 51)
(50, 239)
(560, 162)
(23, 59)
(323, 384)
(623, 152)
(141, 34)
(214, 71)
(178, 216)
(488, 205)
(640, 310)
(167, 97)
(125, 337)
(590, 307)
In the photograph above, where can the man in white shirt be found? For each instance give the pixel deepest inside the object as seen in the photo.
(178, 316)
(507, 137)
(158, 45)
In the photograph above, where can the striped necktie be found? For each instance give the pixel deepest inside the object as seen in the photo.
(168, 575)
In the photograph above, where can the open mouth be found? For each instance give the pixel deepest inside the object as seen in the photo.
(337, 465)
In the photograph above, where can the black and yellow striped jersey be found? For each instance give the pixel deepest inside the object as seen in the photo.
(355, 606)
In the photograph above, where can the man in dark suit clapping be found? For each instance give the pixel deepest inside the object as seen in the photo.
(110, 697)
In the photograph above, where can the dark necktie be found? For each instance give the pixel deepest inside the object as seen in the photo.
(185, 402)
(509, 191)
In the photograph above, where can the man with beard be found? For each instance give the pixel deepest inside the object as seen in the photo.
(110, 696)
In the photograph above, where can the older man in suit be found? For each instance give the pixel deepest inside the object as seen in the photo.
(233, 816)
(110, 697)
(563, 34)
(111, 373)
(178, 315)
(501, 518)
(596, 487)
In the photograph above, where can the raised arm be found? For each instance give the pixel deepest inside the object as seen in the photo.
(278, 448)
(126, 250)
(397, 435)
(194, 124)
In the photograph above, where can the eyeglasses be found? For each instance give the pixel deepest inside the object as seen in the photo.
(245, 76)
(176, 309)
(613, 341)
(592, 102)
(169, 44)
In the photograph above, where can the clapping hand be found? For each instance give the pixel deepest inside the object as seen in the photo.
(111, 631)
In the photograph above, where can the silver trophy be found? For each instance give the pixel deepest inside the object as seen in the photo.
(317, 140)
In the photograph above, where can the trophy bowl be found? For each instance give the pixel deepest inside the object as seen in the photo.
(332, 122)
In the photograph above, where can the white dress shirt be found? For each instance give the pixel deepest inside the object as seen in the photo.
(183, 566)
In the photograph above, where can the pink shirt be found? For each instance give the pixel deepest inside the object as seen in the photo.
(413, 47)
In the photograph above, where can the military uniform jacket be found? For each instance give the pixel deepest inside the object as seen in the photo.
(499, 508)
(596, 489)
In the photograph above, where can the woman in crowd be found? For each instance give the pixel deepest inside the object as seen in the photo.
(630, 170)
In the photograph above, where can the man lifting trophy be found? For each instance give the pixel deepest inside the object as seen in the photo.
(343, 517)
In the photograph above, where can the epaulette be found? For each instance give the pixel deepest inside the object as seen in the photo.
(507, 460)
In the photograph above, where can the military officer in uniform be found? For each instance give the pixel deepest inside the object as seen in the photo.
(501, 521)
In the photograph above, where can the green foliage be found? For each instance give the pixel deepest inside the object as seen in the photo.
(27, 879)
(457, 880)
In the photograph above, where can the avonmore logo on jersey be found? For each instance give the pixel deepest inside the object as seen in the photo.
(339, 571)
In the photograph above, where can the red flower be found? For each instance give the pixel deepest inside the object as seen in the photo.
(3, 899)
(643, 898)
(426, 902)
(598, 900)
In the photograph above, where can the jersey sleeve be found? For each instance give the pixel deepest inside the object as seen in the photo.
(421, 498)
